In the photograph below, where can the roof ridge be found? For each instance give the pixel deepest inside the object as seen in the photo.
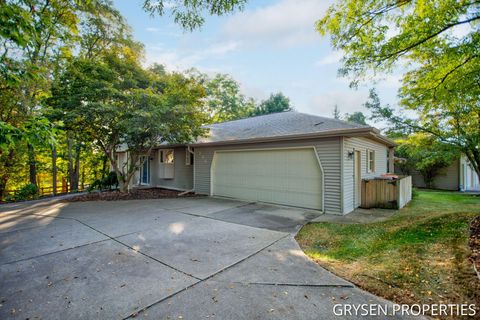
(253, 117)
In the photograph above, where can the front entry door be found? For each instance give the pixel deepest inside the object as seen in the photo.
(145, 171)
(358, 178)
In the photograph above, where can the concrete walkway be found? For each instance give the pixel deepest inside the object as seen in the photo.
(359, 216)
(186, 258)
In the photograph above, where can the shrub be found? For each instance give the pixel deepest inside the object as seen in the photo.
(27, 192)
(414, 193)
(106, 183)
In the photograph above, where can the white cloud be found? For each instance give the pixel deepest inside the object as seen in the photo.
(331, 58)
(221, 48)
(285, 23)
(181, 59)
(152, 29)
(348, 101)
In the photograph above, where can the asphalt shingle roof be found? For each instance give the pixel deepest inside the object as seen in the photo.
(274, 125)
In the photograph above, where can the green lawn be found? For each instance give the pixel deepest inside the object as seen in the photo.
(419, 255)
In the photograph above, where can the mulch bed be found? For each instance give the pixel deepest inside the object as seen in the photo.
(152, 193)
(474, 243)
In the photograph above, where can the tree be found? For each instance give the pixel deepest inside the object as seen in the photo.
(437, 42)
(189, 13)
(336, 112)
(423, 153)
(121, 105)
(356, 117)
(36, 39)
(224, 100)
(275, 103)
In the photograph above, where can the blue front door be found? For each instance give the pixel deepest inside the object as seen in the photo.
(145, 171)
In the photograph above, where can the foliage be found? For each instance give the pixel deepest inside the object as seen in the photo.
(415, 193)
(224, 100)
(36, 39)
(418, 255)
(27, 192)
(119, 104)
(277, 102)
(188, 13)
(436, 42)
(356, 117)
(108, 182)
(426, 155)
(336, 112)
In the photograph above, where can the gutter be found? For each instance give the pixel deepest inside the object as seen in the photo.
(326, 134)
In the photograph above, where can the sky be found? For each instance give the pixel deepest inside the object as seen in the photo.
(271, 46)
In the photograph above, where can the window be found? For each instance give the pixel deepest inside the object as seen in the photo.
(370, 161)
(168, 156)
(188, 157)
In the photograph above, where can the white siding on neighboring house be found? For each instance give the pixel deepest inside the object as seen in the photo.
(448, 178)
(328, 150)
(360, 144)
(468, 177)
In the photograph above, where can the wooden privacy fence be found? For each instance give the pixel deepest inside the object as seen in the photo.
(386, 193)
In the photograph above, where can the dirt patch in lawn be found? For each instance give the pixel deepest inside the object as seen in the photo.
(151, 193)
(474, 243)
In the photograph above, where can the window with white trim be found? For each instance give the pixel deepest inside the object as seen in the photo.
(370, 160)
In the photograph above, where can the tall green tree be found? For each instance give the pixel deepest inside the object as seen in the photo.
(436, 42)
(121, 105)
(277, 102)
(36, 37)
(336, 112)
(356, 117)
(423, 153)
(224, 100)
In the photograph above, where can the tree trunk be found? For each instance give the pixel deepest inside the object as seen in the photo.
(104, 167)
(76, 168)
(82, 181)
(8, 163)
(122, 186)
(33, 164)
(54, 170)
(71, 175)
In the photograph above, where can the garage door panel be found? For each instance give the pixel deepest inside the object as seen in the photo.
(283, 176)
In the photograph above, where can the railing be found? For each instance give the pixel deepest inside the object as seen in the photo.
(48, 191)
(386, 193)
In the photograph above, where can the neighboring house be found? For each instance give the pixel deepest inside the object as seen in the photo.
(458, 176)
(286, 158)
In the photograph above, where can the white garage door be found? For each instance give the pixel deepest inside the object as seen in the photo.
(283, 176)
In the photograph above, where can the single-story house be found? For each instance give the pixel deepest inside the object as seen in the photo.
(286, 158)
(458, 176)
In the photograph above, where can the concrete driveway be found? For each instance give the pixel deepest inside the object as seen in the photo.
(187, 258)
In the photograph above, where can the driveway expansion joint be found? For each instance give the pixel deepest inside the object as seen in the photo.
(142, 253)
(275, 284)
(135, 314)
(109, 238)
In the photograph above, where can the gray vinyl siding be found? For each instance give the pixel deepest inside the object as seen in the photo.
(360, 144)
(183, 174)
(328, 150)
(448, 178)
